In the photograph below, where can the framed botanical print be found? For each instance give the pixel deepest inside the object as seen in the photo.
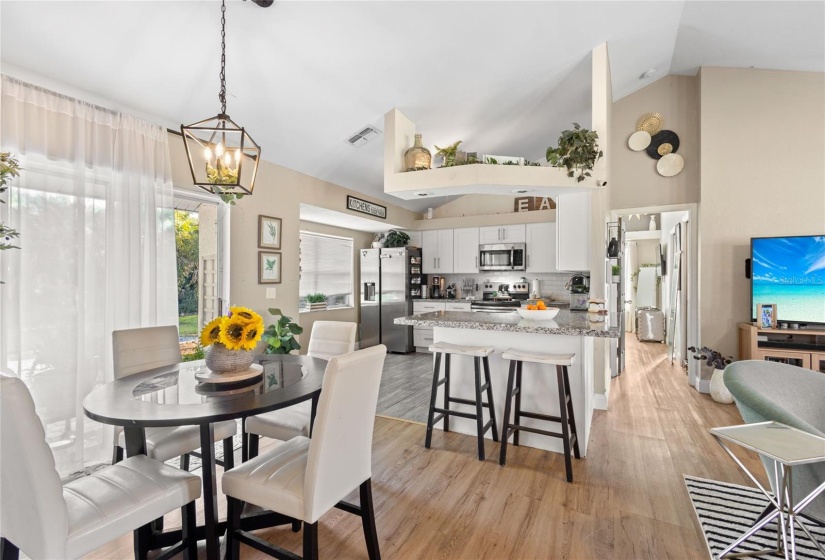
(269, 267)
(269, 232)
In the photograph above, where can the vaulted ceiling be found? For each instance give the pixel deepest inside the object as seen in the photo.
(505, 77)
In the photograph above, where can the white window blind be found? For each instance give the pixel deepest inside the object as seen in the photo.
(326, 265)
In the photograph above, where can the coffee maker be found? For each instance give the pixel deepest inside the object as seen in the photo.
(435, 287)
(579, 286)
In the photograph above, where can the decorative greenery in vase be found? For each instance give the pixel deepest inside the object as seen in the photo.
(710, 357)
(615, 270)
(9, 169)
(240, 330)
(448, 153)
(578, 151)
(280, 337)
(396, 238)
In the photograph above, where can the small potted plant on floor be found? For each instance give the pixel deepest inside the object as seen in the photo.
(713, 368)
(317, 301)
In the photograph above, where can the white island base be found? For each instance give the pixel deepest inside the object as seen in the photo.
(540, 391)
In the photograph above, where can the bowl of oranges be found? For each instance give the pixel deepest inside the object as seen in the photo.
(538, 311)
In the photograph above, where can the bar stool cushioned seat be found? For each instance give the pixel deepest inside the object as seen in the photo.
(794, 396)
(480, 355)
(566, 417)
(46, 519)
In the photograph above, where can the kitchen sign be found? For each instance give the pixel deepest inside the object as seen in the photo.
(530, 203)
(365, 207)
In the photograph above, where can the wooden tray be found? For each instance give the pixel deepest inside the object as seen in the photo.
(212, 377)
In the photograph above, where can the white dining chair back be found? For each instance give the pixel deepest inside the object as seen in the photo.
(33, 514)
(136, 350)
(340, 452)
(331, 338)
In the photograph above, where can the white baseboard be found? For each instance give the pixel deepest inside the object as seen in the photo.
(702, 386)
(600, 401)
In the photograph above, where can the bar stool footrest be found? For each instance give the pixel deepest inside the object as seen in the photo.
(445, 412)
(466, 401)
(515, 428)
(538, 416)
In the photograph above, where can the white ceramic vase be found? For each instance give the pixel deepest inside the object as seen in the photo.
(718, 391)
(220, 359)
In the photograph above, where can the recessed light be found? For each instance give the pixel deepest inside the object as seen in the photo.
(649, 74)
(422, 194)
(521, 191)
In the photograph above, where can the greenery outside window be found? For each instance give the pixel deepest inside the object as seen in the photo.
(326, 267)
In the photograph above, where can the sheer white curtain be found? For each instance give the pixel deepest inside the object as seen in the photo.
(94, 209)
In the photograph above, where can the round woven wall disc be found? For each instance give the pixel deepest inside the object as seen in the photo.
(651, 123)
(664, 149)
(660, 138)
(670, 165)
(639, 140)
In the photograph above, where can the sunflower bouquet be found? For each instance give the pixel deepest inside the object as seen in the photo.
(240, 330)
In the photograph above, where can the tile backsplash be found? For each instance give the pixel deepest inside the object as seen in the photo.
(552, 285)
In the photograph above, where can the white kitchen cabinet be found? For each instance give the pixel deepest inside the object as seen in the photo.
(502, 234)
(573, 232)
(458, 306)
(422, 336)
(437, 251)
(427, 306)
(541, 247)
(465, 250)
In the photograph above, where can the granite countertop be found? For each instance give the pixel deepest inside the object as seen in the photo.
(572, 323)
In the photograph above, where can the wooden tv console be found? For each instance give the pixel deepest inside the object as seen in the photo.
(799, 347)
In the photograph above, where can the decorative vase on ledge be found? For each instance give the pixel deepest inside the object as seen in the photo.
(417, 157)
(220, 359)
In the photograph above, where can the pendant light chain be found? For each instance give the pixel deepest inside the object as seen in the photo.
(222, 94)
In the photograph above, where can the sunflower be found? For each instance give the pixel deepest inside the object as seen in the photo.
(211, 333)
(243, 313)
(232, 333)
(252, 333)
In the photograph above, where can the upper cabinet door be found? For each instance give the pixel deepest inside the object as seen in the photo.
(490, 235)
(573, 233)
(429, 251)
(541, 247)
(445, 251)
(465, 250)
(513, 233)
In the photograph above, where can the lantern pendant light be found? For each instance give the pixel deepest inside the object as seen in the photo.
(223, 157)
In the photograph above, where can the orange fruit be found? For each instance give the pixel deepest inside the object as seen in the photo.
(540, 305)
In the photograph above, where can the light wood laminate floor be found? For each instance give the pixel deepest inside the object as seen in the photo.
(628, 500)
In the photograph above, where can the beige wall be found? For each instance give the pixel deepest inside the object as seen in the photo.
(762, 174)
(475, 205)
(360, 240)
(279, 191)
(634, 181)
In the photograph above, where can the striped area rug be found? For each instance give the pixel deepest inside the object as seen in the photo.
(726, 511)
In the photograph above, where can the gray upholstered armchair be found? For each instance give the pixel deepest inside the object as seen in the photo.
(794, 396)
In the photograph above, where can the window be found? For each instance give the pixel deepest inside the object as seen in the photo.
(326, 268)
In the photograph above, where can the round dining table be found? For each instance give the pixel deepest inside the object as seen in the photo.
(171, 396)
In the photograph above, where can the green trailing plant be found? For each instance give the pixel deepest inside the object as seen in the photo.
(615, 270)
(448, 153)
(578, 152)
(396, 238)
(280, 336)
(316, 298)
(9, 169)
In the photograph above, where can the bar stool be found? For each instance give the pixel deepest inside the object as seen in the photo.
(566, 418)
(480, 355)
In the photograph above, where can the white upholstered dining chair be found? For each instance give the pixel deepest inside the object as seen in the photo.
(304, 478)
(137, 350)
(327, 340)
(48, 520)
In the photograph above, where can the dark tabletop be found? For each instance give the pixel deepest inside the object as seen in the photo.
(170, 396)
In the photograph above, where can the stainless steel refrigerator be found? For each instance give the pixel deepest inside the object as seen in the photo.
(389, 277)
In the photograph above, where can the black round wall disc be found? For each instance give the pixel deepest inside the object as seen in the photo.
(662, 137)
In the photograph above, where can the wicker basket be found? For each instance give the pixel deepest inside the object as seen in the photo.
(220, 359)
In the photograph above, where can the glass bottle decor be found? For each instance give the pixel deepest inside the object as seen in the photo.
(417, 157)
(613, 248)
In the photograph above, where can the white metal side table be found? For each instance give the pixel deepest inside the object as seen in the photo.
(788, 447)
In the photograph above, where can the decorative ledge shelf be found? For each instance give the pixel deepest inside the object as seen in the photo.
(399, 133)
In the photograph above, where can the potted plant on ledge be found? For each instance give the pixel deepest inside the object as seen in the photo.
(317, 301)
(616, 272)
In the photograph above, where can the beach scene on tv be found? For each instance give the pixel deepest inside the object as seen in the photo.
(790, 273)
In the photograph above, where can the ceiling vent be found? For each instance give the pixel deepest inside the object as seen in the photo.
(363, 136)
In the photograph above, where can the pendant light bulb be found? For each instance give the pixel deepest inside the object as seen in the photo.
(237, 156)
(207, 154)
(219, 149)
(227, 159)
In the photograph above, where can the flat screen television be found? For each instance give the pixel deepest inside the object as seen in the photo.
(789, 272)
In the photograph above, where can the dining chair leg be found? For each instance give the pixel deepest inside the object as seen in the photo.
(228, 454)
(253, 446)
(311, 541)
(184, 461)
(210, 491)
(189, 527)
(117, 454)
(296, 526)
(368, 520)
(233, 523)
(244, 442)
(7, 550)
(141, 537)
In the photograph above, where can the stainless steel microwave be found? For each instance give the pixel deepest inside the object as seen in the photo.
(502, 256)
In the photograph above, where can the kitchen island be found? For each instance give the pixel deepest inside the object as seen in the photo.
(569, 332)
